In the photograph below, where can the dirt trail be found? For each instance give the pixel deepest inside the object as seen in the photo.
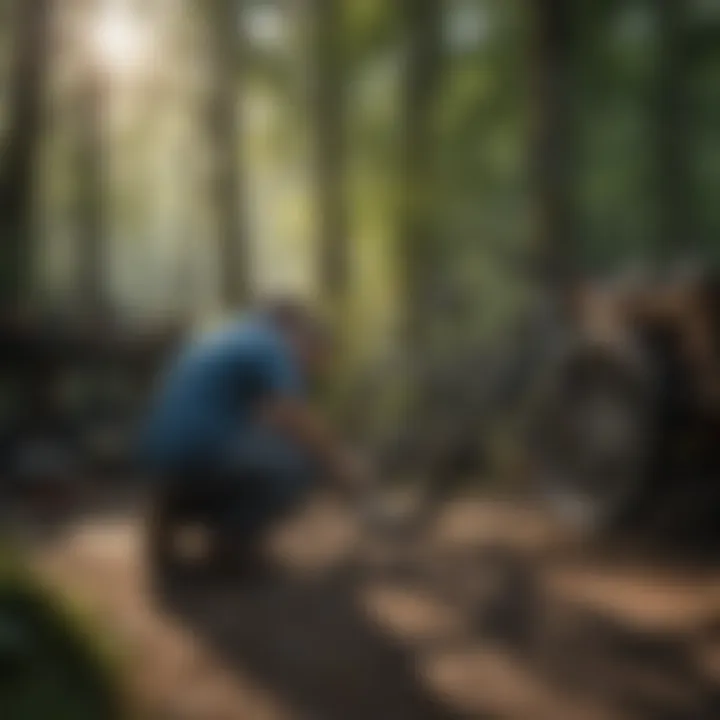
(494, 615)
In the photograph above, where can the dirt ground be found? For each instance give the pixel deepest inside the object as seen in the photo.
(494, 614)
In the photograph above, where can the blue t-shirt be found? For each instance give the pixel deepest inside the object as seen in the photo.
(213, 391)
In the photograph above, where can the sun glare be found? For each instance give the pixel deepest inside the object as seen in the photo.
(119, 39)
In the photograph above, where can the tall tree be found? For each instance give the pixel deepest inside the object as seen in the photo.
(328, 110)
(672, 119)
(423, 23)
(22, 139)
(91, 148)
(552, 156)
(224, 132)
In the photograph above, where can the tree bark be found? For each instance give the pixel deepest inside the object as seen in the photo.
(224, 132)
(675, 226)
(21, 144)
(91, 202)
(552, 142)
(328, 110)
(418, 232)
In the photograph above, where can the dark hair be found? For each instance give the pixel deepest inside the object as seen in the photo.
(295, 316)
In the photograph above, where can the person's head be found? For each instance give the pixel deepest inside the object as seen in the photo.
(309, 337)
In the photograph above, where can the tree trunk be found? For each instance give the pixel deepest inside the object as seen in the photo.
(91, 167)
(423, 20)
(328, 109)
(552, 151)
(671, 113)
(223, 127)
(21, 143)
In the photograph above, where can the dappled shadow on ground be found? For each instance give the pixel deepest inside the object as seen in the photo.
(647, 669)
(490, 614)
(638, 639)
(576, 634)
(315, 646)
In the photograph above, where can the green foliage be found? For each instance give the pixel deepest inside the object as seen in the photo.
(51, 665)
(160, 210)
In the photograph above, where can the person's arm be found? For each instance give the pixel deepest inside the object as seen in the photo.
(296, 419)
